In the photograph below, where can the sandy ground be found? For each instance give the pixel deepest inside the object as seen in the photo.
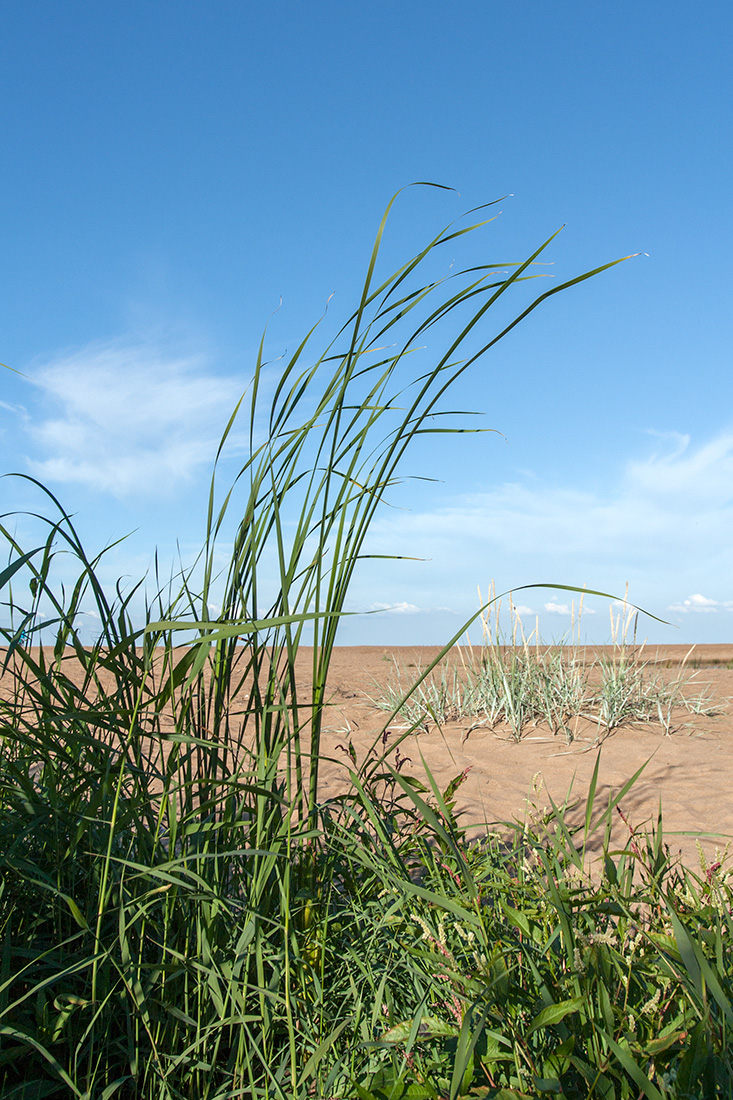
(690, 770)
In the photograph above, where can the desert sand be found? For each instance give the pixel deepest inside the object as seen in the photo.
(690, 770)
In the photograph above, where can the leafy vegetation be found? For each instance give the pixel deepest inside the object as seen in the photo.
(184, 916)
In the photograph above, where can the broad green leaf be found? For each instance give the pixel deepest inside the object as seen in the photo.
(664, 1042)
(517, 918)
(553, 1014)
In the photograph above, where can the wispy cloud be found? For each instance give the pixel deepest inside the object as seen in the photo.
(663, 523)
(19, 410)
(128, 417)
(687, 473)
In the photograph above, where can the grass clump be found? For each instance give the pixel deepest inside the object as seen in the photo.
(521, 683)
(184, 916)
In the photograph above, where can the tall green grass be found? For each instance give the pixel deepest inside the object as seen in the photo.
(183, 915)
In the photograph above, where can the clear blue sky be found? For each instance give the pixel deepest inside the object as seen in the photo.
(172, 169)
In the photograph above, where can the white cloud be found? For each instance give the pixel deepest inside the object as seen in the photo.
(129, 418)
(557, 608)
(522, 610)
(701, 601)
(695, 603)
(402, 608)
(659, 523)
(685, 495)
(567, 609)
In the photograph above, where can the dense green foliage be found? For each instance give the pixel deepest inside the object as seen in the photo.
(184, 916)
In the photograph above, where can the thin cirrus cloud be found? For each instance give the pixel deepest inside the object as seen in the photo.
(704, 473)
(127, 417)
(652, 499)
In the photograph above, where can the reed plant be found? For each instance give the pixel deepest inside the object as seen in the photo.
(185, 915)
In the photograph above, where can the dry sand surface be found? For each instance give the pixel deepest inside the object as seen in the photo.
(690, 769)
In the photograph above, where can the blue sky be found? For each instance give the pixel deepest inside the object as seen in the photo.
(172, 170)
